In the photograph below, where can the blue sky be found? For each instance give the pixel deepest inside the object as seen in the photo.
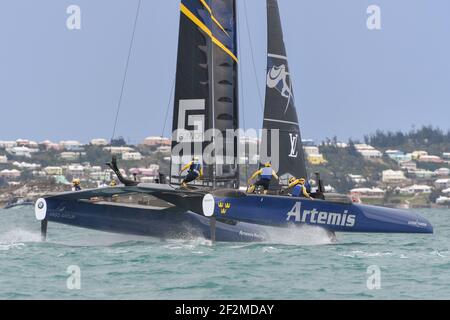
(348, 81)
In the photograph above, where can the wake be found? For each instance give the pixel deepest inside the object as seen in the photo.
(298, 235)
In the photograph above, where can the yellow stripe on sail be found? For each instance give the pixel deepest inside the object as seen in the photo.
(206, 30)
(214, 18)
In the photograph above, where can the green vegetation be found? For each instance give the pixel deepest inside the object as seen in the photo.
(427, 138)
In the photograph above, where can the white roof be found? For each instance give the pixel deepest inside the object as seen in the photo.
(419, 187)
(367, 190)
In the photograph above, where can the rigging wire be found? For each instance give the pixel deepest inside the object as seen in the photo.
(241, 104)
(126, 70)
(253, 58)
(171, 94)
(124, 79)
(168, 108)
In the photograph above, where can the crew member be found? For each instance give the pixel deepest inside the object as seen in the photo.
(299, 188)
(195, 171)
(265, 176)
(76, 185)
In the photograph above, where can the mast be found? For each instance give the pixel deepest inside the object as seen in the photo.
(206, 89)
(279, 110)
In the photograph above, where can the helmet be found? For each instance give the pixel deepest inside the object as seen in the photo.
(195, 158)
(76, 181)
(267, 164)
(302, 181)
(291, 179)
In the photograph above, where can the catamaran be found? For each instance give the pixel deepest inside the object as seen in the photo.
(206, 99)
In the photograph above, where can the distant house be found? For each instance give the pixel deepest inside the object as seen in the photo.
(131, 156)
(10, 174)
(157, 141)
(7, 144)
(94, 169)
(418, 153)
(392, 176)
(27, 166)
(416, 189)
(398, 155)
(47, 144)
(308, 142)
(313, 155)
(53, 171)
(316, 159)
(442, 172)
(100, 176)
(164, 149)
(21, 151)
(423, 174)
(367, 151)
(39, 173)
(442, 183)
(446, 156)
(430, 159)
(443, 200)
(118, 150)
(341, 145)
(3, 159)
(446, 191)
(311, 150)
(76, 170)
(408, 165)
(69, 156)
(22, 142)
(99, 142)
(71, 145)
(367, 192)
(147, 179)
(357, 178)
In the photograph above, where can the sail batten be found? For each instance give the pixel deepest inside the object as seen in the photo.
(279, 111)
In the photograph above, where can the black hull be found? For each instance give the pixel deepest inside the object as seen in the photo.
(166, 223)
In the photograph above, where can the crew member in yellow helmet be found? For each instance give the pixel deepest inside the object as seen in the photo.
(299, 188)
(76, 184)
(265, 177)
(195, 171)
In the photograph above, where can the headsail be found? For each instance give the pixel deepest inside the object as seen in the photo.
(206, 89)
(279, 111)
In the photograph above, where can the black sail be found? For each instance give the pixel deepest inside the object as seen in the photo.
(279, 111)
(206, 91)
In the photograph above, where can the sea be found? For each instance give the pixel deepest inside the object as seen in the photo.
(76, 263)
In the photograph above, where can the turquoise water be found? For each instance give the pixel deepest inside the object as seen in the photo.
(297, 264)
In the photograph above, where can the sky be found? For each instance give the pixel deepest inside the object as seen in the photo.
(349, 81)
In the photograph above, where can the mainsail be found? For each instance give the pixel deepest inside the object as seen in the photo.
(206, 91)
(279, 111)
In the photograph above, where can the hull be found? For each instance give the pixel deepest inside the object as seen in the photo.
(166, 223)
(333, 216)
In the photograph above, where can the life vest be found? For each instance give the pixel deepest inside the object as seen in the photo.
(297, 190)
(266, 173)
(308, 187)
(195, 167)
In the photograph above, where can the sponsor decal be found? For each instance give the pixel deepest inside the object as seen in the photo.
(314, 216)
(278, 79)
(417, 223)
(250, 234)
(293, 139)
